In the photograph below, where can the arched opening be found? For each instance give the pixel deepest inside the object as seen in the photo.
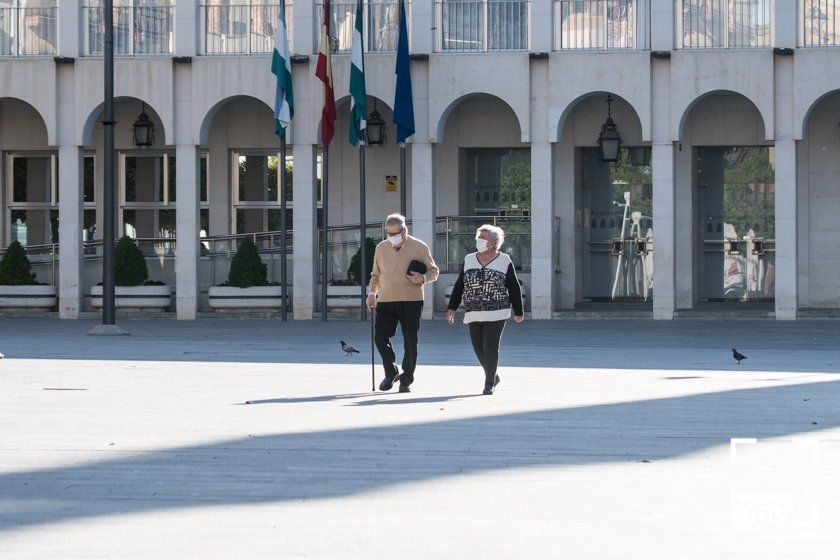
(604, 205)
(726, 182)
(145, 188)
(30, 183)
(243, 163)
(482, 175)
(818, 192)
(382, 188)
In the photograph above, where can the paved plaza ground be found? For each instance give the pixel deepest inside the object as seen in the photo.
(605, 439)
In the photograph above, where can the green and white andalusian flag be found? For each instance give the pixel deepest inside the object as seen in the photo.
(281, 66)
(358, 93)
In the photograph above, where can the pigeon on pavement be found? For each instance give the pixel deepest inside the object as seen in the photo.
(349, 350)
(738, 356)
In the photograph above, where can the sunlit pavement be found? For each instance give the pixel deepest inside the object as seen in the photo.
(605, 439)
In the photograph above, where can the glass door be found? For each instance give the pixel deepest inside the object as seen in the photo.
(737, 221)
(615, 209)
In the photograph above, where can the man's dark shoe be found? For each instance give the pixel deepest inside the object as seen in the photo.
(405, 383)
(388, 382)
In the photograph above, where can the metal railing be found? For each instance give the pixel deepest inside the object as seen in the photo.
(139, 29)
(241, 27)
(219, 251)
(724, 24)
(482, 25)
(455, 238)
(595, 24)
(44, 261)
(28, 31)
(380, 25)
(819, 23)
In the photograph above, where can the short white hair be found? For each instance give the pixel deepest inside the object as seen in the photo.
(395, 220)
(497, 234)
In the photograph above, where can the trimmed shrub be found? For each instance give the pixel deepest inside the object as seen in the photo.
(246, 268)
(129, 263)
(15, 269)
(353, 272)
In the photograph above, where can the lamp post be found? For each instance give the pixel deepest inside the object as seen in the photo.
(609, 140)
(108, 326)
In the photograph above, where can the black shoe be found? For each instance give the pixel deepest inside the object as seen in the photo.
(488, 388)
(404, 388)
(388, 382)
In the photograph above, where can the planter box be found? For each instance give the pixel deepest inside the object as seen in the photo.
(27, 297)
(255, 297)
(344, 297)
(135, 297)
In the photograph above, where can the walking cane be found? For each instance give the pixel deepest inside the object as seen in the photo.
(372, 371)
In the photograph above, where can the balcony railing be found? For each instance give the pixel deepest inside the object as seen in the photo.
(724, 24)
(380, 26)
(595, 24)
(241, 27)
(819, 23)
(28, 31)
(482, 25)
(140, 28)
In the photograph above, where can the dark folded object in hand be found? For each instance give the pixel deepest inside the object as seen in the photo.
(416, 266)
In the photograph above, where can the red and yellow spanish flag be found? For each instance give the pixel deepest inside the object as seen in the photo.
(323, 71)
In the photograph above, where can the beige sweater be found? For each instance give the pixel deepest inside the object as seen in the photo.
(388, 279)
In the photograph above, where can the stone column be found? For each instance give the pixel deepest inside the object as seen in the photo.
(186, 30)
(304, 224)
(188, 200)
(662, 161)
(187, 230)
(541, 290)
(70, 224)
(423, 209)
(69, 40)
(786, 230)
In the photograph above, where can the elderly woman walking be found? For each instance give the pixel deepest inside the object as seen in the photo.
(489, 288)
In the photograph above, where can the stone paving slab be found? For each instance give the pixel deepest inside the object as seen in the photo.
(604, 440)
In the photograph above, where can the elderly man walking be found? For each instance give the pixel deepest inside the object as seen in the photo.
(402, 265)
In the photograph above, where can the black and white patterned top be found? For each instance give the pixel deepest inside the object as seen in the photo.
(488, 290)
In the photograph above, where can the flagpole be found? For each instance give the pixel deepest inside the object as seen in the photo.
(325, 173)
(283, 245)
(363, 228)
(403, 183)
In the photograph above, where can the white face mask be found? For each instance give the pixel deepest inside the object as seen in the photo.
(481, 244)
(395, 239)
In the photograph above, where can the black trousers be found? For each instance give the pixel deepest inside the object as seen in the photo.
(485, 337)
(406, 314)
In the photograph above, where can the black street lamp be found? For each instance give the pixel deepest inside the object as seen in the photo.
(144, 130)
(375, 128)
(609, 140)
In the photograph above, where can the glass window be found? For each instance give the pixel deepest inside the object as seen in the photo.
(462, 25)
(28, 27)
(719, 24)
(256, 184)
(596, 24)
(820, 20)
(242, 26)
(141, 27)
